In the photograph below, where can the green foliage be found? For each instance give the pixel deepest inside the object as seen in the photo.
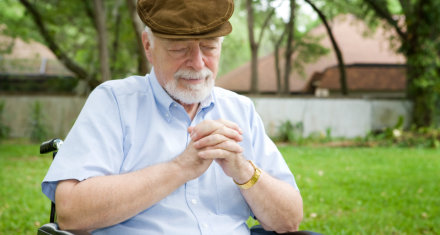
(15, 22)
(395, 136)
(235, 48)
(4, 129)
(293, 134)
(418, 34)
(309, 50)
(39, 130)
(421, 137)
(74, 31)
(47, 84)
(288, 132)
(424, 69)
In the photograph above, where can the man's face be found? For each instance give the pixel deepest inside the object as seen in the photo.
(186, 69)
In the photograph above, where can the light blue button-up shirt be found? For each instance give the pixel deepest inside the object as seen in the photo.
(129, 124)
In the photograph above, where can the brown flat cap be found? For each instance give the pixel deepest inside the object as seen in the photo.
(187, 18)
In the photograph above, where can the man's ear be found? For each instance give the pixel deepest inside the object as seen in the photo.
(147, 47)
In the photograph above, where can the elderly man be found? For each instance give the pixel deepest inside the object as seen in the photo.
(169, 153)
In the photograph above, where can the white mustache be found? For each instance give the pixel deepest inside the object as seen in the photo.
(193, 75)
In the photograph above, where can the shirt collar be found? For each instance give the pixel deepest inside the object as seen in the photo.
(208, 101)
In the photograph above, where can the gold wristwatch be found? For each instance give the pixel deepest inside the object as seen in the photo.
(253, 180)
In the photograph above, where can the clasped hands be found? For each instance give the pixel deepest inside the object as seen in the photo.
(215, 140)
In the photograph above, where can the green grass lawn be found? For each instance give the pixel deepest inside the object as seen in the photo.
(23, 208)
(345, 190)
(368, 190)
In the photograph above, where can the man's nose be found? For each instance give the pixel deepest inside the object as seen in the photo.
(196, 60)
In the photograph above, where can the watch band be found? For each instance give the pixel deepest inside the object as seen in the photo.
(253, 180)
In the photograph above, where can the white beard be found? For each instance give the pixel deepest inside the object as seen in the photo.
(191, 94)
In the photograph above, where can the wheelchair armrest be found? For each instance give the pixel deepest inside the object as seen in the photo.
(53, 229)
(50, 146)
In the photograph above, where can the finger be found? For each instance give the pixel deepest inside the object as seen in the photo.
(229, 133)
(210, 140)
(214, 154)
(231, 125)
(226, 149)
(204, 128)
(207, 127)
(230, 146)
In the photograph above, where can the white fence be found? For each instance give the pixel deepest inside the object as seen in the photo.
(343, 117)
(59, 113)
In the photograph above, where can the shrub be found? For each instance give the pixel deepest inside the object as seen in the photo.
(4, 129)
(423, 137)
(38, 128)
(288, 132)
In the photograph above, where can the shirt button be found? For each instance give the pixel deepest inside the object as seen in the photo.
(194, 201)
(205, 225)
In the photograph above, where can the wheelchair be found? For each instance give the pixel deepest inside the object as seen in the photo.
(52, 228)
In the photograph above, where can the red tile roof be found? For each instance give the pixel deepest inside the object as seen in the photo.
(355, 46)
(363, 77)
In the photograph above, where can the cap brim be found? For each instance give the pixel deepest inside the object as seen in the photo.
(222, 30)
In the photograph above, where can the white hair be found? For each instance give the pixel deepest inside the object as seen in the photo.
(150, 36)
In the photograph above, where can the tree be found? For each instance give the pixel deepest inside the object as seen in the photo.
(339, 56)
(255, 44)
(138, 27)
(55, 48)
(418, 31)
(102, 39)
(276, 53)
(77, 32)
(304, 48)
(289, 48)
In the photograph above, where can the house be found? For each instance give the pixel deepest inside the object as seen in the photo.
(32, 68)
(369, 58)
(363, 80)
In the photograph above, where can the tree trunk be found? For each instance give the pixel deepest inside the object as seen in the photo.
(116, 14)
(289, 48)
(277, 62)
(420, 85)
(341, 64)
(423, 66)
(102, 40)
(254, 48)
(277, 68)
(138, 26)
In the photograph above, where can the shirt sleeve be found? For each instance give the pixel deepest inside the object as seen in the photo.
(266, 154)
(94, 145)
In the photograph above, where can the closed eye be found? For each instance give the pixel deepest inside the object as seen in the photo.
(178, 50)
(209, 48)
